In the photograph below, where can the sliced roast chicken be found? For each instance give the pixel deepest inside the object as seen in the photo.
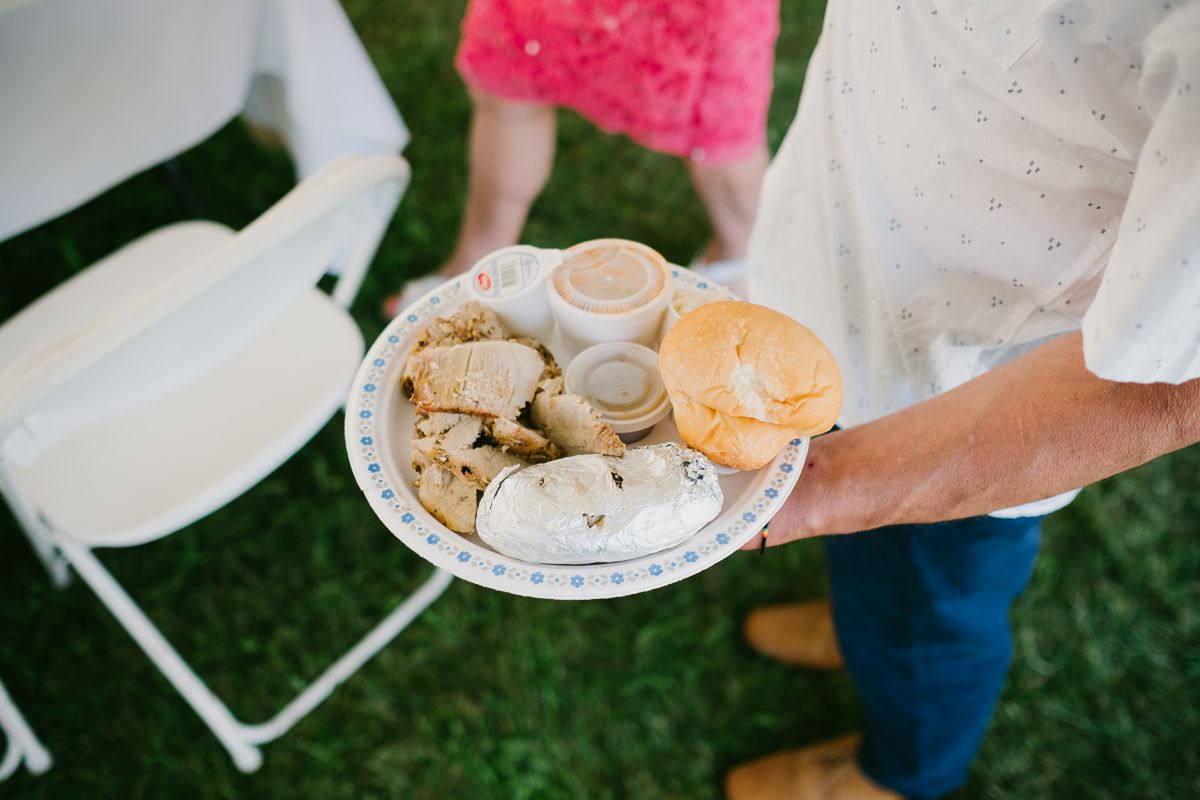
(487, 379)
(475, 391)
(451, 499)
(570, 421)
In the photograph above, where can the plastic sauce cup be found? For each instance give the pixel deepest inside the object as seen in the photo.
(509, 282)
(609, 290)
(622, 382)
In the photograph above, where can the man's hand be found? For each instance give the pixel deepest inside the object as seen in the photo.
(1033, 428)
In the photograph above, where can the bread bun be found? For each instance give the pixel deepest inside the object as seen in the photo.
(738, 442)
(744, 380)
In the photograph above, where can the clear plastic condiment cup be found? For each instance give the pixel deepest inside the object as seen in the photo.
(622, 382)
(609, 290)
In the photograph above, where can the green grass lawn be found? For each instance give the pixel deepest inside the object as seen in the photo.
(493, 696)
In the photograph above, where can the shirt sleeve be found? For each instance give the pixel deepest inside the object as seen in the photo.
(1144, 324)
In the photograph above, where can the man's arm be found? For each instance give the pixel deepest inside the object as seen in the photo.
(1033, 428)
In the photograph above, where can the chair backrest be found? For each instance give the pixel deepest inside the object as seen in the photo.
(168, 337)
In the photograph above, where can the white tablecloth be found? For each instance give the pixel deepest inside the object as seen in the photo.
(94, 91)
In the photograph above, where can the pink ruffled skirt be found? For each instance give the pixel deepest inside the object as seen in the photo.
(686, 77)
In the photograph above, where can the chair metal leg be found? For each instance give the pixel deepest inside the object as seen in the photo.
(38, 534)
(348, 664)
(22, 742)
(238, 738)
(207, 705)
(52, 560)
(12, 760)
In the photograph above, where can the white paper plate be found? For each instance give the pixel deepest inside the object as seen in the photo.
(379, 427)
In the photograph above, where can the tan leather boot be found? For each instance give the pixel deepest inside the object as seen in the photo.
(800, 634)
(827, 771)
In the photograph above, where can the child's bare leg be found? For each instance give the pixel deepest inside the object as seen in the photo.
(730, 193)
(511, 152)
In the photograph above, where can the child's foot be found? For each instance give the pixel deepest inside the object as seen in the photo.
(412, 291)
(730, 272)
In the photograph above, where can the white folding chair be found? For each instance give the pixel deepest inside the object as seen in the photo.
(168, 378)
(23, 745)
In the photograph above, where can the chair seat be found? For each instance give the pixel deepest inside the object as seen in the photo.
(140, 476)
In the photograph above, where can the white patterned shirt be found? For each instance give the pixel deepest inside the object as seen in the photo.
(966, 180)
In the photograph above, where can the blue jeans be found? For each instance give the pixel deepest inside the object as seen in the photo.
(921, 613)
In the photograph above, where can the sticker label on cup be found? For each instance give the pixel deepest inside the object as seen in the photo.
(506, 274)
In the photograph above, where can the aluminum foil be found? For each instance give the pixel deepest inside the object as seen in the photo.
(592, 509)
